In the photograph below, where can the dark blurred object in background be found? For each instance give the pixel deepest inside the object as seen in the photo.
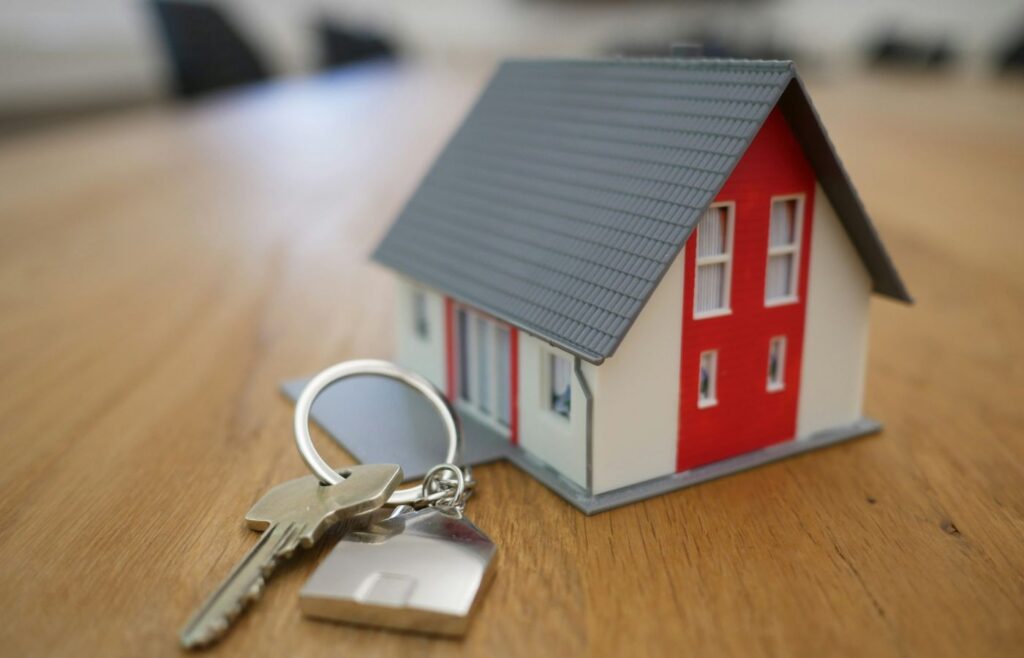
(1010, 58)
(206, 51)
(339, 46)
(709, 44)
(61, 60)
(893, 51)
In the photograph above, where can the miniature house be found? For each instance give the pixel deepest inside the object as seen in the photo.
(641, 273)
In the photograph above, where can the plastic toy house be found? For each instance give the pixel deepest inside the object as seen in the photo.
(641, 273)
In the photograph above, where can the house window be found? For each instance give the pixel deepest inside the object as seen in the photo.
(419, 314)
(714, 255)
(707, 379)
(559, 385)
(483, 353)
(783, 251)
(777, 363)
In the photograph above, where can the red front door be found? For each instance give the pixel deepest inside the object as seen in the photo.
(744, 304)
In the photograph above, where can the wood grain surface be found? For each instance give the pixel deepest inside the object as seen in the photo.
(161, 271)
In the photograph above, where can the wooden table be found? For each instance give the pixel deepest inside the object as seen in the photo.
(162, 271)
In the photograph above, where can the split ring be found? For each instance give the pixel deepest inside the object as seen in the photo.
(346, 369)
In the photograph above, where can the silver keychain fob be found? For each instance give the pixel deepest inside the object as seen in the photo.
(418, 570)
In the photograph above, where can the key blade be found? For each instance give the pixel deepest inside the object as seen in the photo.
(243, 585)
(293, 513)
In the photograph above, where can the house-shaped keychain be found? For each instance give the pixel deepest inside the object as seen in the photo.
(416, 570)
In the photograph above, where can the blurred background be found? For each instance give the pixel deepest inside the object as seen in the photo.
(64, 59)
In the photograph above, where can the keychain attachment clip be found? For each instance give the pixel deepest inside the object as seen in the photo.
(446, 487)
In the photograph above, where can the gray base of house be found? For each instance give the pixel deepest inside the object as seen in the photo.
(380, 421)
(592, 504)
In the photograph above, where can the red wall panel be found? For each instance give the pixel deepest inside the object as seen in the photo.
(747, 416)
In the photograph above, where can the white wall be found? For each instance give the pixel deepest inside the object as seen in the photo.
(558, 441)
(636, 392)
(555, 440)
(425, 356)
(836, 332)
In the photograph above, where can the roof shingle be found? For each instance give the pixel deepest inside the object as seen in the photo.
(570, 187)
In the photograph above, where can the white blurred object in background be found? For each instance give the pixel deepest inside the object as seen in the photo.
(80, 54)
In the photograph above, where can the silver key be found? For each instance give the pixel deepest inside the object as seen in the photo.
(291, 514)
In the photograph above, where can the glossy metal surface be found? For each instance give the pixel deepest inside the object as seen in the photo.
(340, 371)
(418, 570)
(295, 513)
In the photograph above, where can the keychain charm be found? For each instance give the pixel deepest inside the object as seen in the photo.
(419, 570)
(298, 513)
(424, 566)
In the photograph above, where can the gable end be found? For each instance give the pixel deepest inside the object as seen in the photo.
(810, 132)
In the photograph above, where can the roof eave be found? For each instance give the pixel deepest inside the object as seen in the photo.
(587, 355)
(805, 122)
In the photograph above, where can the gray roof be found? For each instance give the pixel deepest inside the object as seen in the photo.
(570, 187)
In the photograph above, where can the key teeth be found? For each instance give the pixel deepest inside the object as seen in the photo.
(254, 592)
(214, 629)
(280, 541)
(209, 634)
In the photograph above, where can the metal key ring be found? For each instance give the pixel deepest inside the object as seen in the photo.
(337, 372)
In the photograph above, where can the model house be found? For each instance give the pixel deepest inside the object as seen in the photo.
(641, 273)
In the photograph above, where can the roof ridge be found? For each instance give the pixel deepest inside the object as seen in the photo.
(735, 63)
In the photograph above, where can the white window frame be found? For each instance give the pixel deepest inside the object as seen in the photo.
(547, 382)
(793, 248)
(712, 399)
(470, 404)
(780, 382)
(730, 230)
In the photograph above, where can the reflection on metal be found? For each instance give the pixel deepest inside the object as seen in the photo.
(417, 570)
